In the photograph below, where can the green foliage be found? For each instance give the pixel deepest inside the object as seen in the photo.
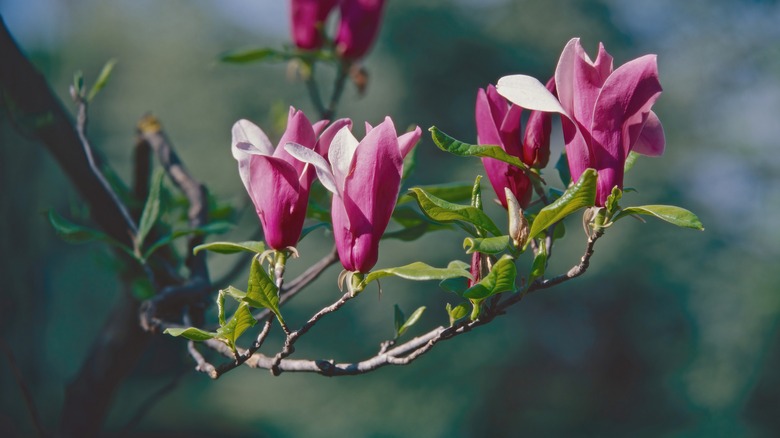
(419, 271)
(257, 54)
(452, 192)
(151, 211)
(236, 326)
(402, 324)
(250, 246)
(456, 147)
(487, 245)
(457, 312)
(191, 333)
(443, 211)
(262, 292)
(539, 265)
(102, 79)
(500, 279)
(74, 233)
(669, 213)
(580, 195)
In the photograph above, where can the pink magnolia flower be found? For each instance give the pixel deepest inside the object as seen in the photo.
(358, 27)
(607, 112)
(278, 184)
(365, 178)
(498, 123)
(308, 20)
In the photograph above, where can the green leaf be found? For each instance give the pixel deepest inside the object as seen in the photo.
(305, 232)
(151, 209)
(455, 147)
(500, 279)
(443, 211)
(102, 79)
(73, 233)
(212, 228)
(237, 325)
(400, 330)
(454, 285)
(580, 195)
(457, 312)
(630, 161)
(670, 213)
(452, 192)
(562, 166)
(191, 333)
(262, 292)
(398, 319)
(250, 246)
(539, 265)
(476, 193)
(245, 56)
(419, 271)
(487, 245)
(613, 199)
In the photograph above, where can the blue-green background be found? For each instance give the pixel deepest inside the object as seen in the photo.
(672, 332)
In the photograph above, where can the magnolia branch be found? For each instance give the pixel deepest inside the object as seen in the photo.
(402, 354)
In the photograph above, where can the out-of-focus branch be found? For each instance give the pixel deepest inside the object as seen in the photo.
(192, 293)
(26, 394)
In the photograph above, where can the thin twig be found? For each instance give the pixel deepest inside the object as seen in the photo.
(289, 343)
(300, 282)
(26, 394)
(245, 355)
(401, 354)
(81, 130)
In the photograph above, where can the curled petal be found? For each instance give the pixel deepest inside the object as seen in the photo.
(407, 141)
(244, 131)
(299, 130)
(651, 141)
(341, 153)
(319, 163)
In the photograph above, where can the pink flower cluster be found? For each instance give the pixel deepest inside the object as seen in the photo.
(364, 177)
(605, 113)
(357, 29)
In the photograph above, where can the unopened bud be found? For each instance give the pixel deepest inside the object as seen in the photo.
(592, 219)
(518, 225)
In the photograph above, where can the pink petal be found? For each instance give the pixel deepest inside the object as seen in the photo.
(279, 200)
(487, 128)
(621, 111)
(299, 130)
(651, 141)
(407, 141)
(371, 189)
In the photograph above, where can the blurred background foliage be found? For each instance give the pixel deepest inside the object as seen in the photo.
(671, 332)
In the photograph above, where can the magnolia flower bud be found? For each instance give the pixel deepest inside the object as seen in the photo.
(518, 225)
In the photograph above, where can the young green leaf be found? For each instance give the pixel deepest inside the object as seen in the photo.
(630, 161)
(487, 245)
(237, 325)
(443, 211)
(102, 79)
(151, 209)
(415, 316)
(191, 333)
(539, 265)
(580, 195)
(249, 246)
(500, 279)
(419, 271)
(398, 319)
(455, 147)
(245, 56)
(452, 192)
(212, 228)
(74, 233)
(262, 292)
(669, 213)
(457, 312)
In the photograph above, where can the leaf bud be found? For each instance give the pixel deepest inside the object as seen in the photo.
(518, 225)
